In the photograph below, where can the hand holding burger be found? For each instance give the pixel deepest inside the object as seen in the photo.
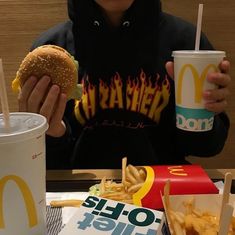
(46, 79)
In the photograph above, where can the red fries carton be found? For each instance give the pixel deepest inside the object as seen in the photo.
(185, 179)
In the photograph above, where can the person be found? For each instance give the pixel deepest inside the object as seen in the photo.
(127, 108)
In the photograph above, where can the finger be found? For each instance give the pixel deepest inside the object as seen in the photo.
(57, 127)
(59, 112)
(50, 102)
(216, 95)
(220, 79)
(170, 69)
(37, 96)
(224, 66)
(216, 107)
(25, 93)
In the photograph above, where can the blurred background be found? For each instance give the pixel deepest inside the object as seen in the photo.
(21, 22)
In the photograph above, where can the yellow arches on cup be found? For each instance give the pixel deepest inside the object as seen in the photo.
(28, 199)
(198, 81)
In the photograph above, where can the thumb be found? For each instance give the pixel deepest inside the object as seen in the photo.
(170, 68)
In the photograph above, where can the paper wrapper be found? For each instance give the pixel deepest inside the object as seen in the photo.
(102, 216)
(185, 179)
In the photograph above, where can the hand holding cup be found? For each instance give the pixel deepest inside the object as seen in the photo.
(215, 100)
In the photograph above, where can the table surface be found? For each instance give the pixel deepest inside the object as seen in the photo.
(81, 180)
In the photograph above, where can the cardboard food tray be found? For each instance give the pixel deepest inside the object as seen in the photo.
(210, 203)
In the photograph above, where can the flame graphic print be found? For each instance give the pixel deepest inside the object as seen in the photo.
(140, 95)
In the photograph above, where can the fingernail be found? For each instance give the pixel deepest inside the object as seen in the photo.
(55, 88)
(46, 78)
(210, 78)
(207, 94)
(33, 79)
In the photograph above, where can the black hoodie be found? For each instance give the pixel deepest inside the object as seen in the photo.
(128, 106)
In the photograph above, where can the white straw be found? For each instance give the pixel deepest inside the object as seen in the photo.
(199, 27)
(4, 100)
(226, 193)
(226, 219)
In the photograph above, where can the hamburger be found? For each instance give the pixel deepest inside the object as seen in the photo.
(53, 61)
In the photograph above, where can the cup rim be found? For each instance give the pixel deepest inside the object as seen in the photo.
(17, 136)
(195, 53)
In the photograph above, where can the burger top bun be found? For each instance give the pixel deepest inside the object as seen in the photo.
(52, 61)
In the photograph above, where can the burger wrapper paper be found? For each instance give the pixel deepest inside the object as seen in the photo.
(184, 179)
(102, 216)
(210, 203)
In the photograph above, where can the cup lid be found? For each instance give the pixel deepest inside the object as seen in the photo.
(194, 53)
(22, 126)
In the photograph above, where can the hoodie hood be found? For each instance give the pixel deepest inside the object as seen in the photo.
(103, 50)
(70, 5)
(73, 4)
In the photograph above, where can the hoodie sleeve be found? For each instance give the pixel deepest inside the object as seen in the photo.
(58, 150)
(204, 144)
(60, 35)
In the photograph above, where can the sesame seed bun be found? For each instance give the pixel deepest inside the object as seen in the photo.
(52, 61)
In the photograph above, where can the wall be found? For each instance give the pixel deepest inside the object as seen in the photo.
(22, 21)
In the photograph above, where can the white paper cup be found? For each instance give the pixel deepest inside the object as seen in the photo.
(23, 175)
(190, 74)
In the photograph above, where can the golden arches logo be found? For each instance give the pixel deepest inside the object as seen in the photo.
(198, 81)
(28, 199)
(177, 170)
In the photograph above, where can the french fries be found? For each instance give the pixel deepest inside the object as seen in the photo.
(133, 179)
(192, 221)
(64, 203)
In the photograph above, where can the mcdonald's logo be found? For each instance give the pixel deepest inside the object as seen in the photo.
(177, 170)
(28, 199)
(198, 81)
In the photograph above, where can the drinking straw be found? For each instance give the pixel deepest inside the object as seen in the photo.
(199, 27)
(226, 192)
(4, 100)
(226, 219)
